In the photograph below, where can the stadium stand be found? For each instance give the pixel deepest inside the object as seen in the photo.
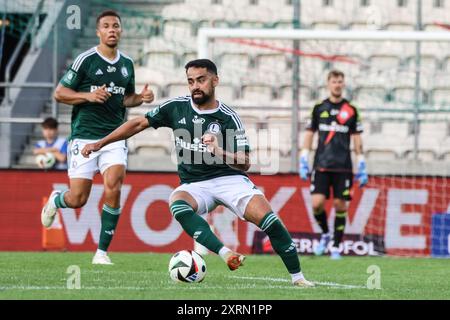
(381, 77)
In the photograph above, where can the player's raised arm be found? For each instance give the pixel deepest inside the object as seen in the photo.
(134, 99)
(125, 131)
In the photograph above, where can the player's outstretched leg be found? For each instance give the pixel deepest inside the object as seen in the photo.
(259, 212)
(75, 197)
(283, 245)
(196, 227)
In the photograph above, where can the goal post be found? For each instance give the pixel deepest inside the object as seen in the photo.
(207, 34)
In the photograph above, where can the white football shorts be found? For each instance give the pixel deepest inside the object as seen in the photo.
(85, 168)
(234, 192)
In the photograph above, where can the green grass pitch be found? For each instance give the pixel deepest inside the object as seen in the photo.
(25, 275)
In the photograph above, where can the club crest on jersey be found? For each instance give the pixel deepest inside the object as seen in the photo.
(214, 128)
(198, 120)
(111, 69)
(124, 72)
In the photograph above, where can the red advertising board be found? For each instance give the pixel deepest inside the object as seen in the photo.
(396, 210)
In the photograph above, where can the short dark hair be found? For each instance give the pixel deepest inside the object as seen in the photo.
(50, 123)
(107, 13)
(202, 63)
(335, 74)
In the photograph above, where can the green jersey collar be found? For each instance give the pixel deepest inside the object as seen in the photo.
(204, 111)
(114, 61)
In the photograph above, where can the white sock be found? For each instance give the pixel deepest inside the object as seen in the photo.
(223, 252)
(100, 252)
(297, 276)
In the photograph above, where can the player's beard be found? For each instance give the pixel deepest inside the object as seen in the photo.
(336, 95)
(200, 100)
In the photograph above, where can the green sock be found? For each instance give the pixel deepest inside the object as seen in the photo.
(339, 226)
(110, 217)
(59, 200)
(195, 226)
(281, 241)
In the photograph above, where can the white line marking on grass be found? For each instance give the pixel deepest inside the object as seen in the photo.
(325, 284)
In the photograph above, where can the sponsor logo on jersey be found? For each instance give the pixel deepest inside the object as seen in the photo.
(124, 72)
(111, 69)
(324, 114)
(99, 72)
(214, 128)
(182, 121)
(334, 112)
(333, 127)
(196, 146)
(198, 120)
(113, 89)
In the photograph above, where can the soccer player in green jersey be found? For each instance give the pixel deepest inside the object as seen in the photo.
(213, 155)
(100, 85)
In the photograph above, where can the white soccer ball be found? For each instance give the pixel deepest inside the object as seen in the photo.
(187, 266)
(45, 161)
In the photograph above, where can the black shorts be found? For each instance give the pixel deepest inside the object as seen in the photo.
(342, 183)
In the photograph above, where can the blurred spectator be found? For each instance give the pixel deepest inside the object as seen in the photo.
(52, 144)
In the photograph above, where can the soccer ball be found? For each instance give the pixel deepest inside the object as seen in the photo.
(187, 266)
(46, 161)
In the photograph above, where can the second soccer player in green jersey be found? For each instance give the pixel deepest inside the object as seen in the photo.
(100, 85)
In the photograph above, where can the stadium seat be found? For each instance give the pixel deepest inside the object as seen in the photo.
(165, 60)
(280, 128)
(370, 96)
(284, 96)
(441, 97)
(225, 92)
(150, 138)
(178, 29)
(177, 89)
(259, 94)
(384, 62)
(271, 61)
(235, 61)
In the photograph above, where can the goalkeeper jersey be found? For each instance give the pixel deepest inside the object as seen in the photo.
(189, 124)
(335, 123)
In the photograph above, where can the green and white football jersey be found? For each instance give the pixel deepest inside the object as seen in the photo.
(189, 124)
(89, 71)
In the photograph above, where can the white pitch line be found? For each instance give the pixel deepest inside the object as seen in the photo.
(326, 284)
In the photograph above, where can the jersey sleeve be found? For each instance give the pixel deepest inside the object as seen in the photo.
(357, 126)
(313, 123)
(236, 139)
(74, 74)
(130, 89)
(160, 116)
